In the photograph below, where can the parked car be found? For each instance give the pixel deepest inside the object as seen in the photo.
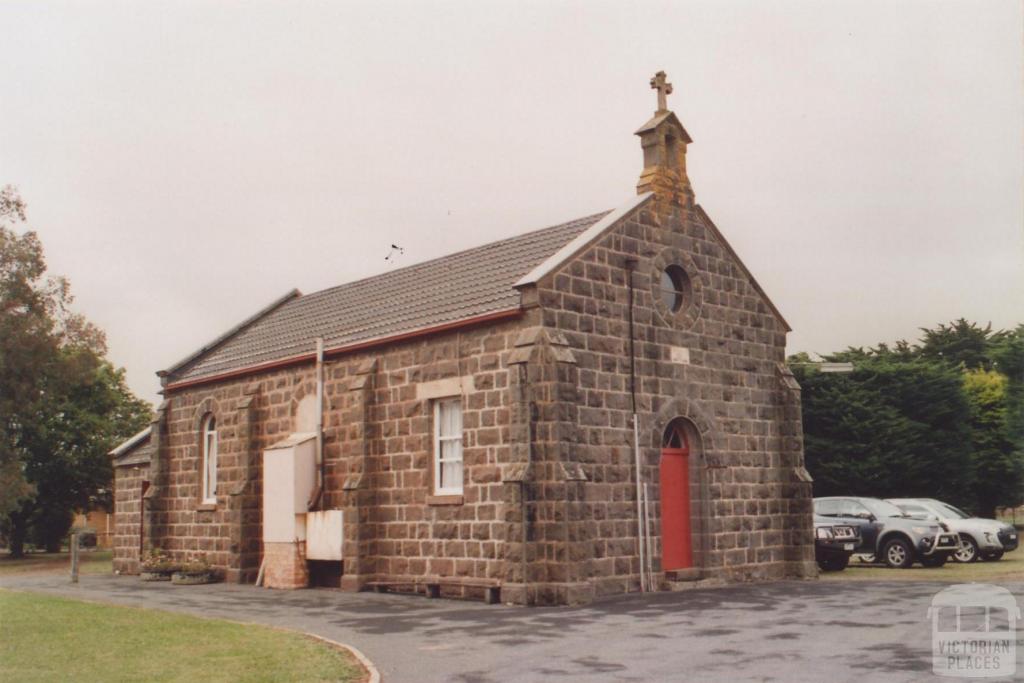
(833, 544)
(980, 538)
(890, 534)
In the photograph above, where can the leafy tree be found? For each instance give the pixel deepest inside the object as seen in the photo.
(901, 351)
(960, 343)
(1008, 355)
(26, 333)
(998, 470)
(889, 428)
(62, 404)
(86, 410)
(991, 366)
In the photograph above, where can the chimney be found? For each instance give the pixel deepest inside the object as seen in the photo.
(664, 141)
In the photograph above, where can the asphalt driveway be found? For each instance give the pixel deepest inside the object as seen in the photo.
(787, 631)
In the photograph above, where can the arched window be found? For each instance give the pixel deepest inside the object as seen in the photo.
(209, 459)
(675, 436)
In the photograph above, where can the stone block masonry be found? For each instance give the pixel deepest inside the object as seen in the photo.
(645, 310)
(548, 506)
(751, 512)
(377, 450)
(128, 517)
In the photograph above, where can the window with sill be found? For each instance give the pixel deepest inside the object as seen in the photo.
(209, 459)
(448, 447)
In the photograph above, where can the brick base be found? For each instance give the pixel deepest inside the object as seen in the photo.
(285, 565)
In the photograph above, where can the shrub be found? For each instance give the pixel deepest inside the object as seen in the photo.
(195, 563)
(159, 561)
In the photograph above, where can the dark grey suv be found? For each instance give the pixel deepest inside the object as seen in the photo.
(888, 533)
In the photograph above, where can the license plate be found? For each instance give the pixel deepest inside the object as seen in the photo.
(848, 546)
(1013, 537)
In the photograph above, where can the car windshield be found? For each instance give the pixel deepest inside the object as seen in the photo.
(881, 508)
(915, 510)
(951, 511)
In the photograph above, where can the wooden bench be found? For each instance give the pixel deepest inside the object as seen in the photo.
(432, 586)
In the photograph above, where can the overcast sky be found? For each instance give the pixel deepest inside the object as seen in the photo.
(187, 162)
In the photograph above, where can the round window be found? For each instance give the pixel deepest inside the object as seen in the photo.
(674, 287)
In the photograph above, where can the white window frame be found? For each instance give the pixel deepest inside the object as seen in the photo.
(439, 440)
(209, 458)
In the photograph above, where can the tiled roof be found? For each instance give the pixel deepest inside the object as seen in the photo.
(134, 450)
(457, 287)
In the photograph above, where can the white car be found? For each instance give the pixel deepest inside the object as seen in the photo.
(986, 539)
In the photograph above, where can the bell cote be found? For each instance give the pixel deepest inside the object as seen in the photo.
(664, 141)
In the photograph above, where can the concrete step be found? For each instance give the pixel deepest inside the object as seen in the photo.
(677, 586)
(689, 574)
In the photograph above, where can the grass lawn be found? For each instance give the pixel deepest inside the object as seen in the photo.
(1010, 568)
(44, 638)
(89, 562)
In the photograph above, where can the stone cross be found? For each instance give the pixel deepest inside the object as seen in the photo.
(664, 89)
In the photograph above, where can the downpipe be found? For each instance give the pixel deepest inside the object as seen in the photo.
(316, 499)
(640, 536)
(641, 540)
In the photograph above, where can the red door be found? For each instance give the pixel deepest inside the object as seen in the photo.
(675, 507)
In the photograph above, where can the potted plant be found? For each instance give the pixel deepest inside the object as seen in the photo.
(194, 570)
(157, 565)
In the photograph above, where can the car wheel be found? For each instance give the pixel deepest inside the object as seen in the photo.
(833, 564)
(934, 560)
(898, 554)
(968, 551)
(992, 557)
(838, 564)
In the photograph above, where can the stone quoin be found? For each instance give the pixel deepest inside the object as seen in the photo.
(478, 417)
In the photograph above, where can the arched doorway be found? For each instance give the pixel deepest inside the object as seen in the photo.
(676, 533)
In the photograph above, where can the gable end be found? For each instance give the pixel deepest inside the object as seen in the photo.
(582, 241)
(746, 271)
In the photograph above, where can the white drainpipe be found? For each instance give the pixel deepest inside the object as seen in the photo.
(640, 537)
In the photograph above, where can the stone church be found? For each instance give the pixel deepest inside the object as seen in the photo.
(596, 407)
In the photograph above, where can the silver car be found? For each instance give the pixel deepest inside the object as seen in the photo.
(981, 538)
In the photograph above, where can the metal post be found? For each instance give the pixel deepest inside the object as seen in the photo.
(647, 542)
(641, 540)
(74, 557)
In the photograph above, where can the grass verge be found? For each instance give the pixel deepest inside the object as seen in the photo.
(89, 562)
(45, 638)
(1010, 568)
